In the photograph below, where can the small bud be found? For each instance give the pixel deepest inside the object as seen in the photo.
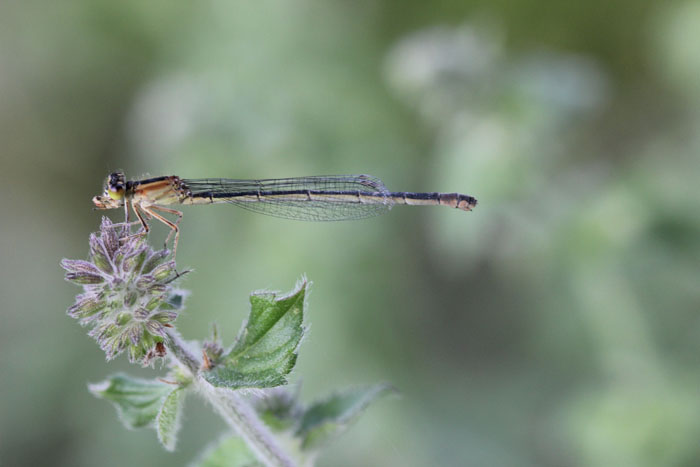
(164, 271)
(85, 306)
(212, 348)
(78, 265)
(118, 258)
(154, 260)
(144, 282)
(141, 314)
(135, 353)
(130, 298)
(147, 341)
(157, 288)
(109, 236)
(135, 335)
(154, 302)
(164, 317)
(84, 278)
(134, 260)
(97, 255)
(123, 318)
(155, 328)
(103, 333)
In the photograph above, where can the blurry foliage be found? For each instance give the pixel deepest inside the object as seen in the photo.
(557, 325)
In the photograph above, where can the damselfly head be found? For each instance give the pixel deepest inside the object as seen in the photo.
(113, 196)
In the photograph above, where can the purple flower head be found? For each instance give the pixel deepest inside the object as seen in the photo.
(128, 296)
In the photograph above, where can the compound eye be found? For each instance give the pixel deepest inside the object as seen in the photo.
(116, 180)
(114, 187)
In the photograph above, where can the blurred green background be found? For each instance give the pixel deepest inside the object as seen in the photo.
(556, 325)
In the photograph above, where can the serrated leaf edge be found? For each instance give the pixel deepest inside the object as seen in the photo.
(179, 394)
(302, 283)
(373, 392)
(96, 388)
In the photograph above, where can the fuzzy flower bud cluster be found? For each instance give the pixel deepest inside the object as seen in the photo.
(213, 349)
(128, 299)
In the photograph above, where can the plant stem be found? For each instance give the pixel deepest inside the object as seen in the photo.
(233, 409)
(182, 352)
(241, 416)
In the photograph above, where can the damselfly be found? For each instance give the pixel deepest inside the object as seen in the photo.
(318, 198)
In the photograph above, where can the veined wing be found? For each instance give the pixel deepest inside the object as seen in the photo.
(318, 198)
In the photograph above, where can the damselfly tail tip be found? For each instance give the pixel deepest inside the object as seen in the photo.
(466, 203)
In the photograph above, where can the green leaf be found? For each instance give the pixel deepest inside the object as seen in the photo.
(266, 348)
(141, 403)
(168, 418)
(279, 408)
(328, 418)
(138, 401)
(230, 451)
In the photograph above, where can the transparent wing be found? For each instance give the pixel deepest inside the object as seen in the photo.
(319, 198)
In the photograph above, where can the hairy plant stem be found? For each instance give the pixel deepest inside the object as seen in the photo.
(182, 352)
(233, 409)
